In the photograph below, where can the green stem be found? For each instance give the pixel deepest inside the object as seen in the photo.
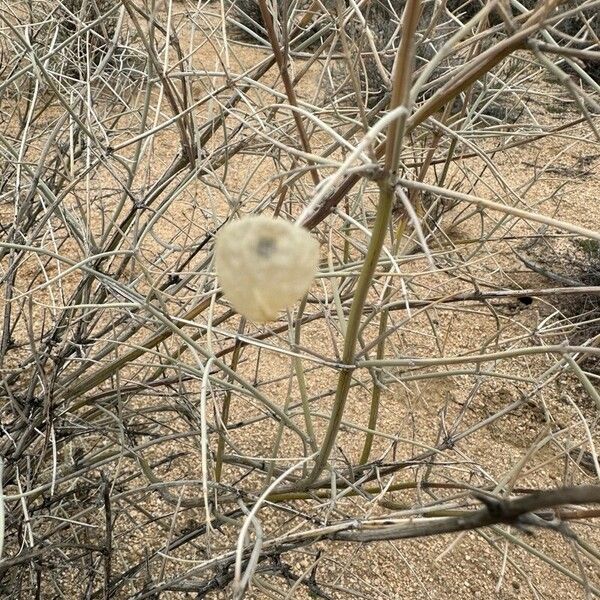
(378, 234)
(403, 70)
(310, 432)
(225, 411)
(376, 394)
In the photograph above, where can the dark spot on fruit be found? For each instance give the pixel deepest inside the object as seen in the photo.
(265, 247)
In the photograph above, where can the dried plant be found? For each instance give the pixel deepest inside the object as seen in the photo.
(157, 443)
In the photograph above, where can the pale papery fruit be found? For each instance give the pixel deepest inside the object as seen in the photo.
(265, 265)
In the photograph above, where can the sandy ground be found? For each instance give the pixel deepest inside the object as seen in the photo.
(416, 413)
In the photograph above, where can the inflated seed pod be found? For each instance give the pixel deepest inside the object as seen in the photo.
(265, 265)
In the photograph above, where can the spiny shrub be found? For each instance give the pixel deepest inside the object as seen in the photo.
(69, 21)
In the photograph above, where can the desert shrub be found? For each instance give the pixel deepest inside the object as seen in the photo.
(247, 14)
(157, 443)
(584, 27)
(54, 23)
(246, 22)
(574, 263)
